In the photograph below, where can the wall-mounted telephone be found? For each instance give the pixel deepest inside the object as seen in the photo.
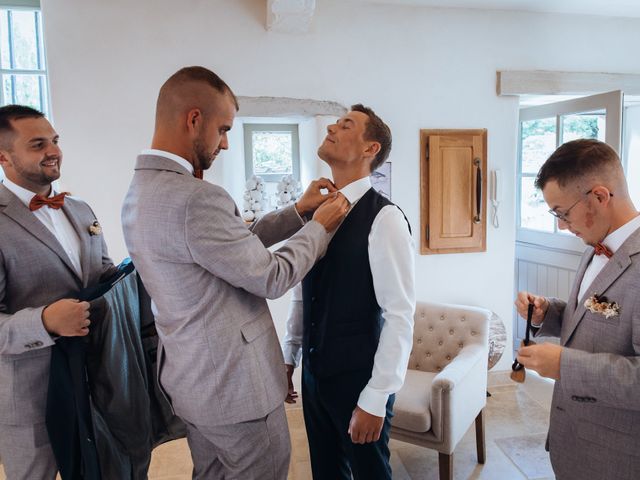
(495, 195)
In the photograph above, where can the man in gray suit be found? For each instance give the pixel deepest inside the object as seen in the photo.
(47, 249)
(208, 274)
(594, 428)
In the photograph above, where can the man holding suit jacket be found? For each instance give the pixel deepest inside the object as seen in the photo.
(50, 244)
(594, 428)
(208, 274)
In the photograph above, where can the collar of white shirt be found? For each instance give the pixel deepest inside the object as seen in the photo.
(171, 156)
(23, 194)
(355, 190)
(615, 239)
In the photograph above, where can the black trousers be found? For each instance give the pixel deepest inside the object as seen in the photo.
(327, 405)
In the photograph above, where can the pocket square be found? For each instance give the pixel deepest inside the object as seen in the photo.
(95, 229)
(600, 305)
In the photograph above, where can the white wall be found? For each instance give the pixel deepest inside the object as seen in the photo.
(631, 148)
(418, 67)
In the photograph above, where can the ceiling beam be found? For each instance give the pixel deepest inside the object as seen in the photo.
(540, 82)
(287, 107)
(290, 16)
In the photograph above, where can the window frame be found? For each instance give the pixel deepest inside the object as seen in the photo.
(41, 71)
(291, 128)
(612, 104)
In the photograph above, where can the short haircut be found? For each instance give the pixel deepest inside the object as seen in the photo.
(197, 74)
(377, 131)
(8, 114)
(578, 159)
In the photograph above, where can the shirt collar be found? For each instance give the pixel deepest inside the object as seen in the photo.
(23, 194)
(171, 156)
(355, 190)
(615, 239)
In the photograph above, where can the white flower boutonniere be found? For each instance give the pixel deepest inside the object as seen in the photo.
(596, 304)
(95, 229)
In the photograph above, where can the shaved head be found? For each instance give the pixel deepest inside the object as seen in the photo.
(194, 112)
(187, 89)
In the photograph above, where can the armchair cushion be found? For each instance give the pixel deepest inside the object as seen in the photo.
(412, 406)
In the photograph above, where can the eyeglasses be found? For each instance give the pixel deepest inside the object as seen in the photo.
(564, 216)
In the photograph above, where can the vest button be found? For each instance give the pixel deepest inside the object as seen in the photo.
(312, 350)
(313, 324)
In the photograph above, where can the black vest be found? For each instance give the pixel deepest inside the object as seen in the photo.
(342, 318)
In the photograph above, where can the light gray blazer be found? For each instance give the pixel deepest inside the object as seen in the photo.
(208, 274)
(595, 413)
(34, 272)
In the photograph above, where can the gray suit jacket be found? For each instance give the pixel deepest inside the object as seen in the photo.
(208, 274)
(595, 413)
(34, 272)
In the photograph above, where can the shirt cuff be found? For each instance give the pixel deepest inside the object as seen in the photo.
(291, 355)
(373, 402)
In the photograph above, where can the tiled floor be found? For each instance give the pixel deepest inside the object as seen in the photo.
(512, 410)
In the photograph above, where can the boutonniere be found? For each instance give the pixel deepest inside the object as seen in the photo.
(95, 229)
(596, 304)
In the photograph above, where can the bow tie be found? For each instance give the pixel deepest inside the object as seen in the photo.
(55, 202)
(198, 173)
(603, 250)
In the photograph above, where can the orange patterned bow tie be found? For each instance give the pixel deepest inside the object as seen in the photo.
(603, 250)
(55, 202)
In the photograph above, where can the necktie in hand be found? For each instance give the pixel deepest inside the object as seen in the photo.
(56, 202)
(603, 250)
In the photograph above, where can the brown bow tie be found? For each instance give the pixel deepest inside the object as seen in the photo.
(603, 250)
(198, 173)
(55, 202)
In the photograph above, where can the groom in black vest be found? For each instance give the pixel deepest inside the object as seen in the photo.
(353, 315)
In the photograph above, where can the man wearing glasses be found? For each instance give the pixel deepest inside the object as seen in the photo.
(595, 413)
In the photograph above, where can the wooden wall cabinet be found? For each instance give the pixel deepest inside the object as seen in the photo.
(453, 191)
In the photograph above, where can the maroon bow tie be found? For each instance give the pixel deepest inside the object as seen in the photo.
(603, 250)
(55, 202)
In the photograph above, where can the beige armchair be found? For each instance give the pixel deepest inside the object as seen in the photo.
(446, 383)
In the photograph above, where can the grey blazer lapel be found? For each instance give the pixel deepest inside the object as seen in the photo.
(86, 253)
(18, 212)
(614, 268)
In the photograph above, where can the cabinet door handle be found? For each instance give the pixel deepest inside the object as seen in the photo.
(478, 164)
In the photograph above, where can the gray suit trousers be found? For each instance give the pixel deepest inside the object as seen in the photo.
(258, 449)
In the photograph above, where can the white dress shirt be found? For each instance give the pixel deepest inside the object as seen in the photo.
(613, 242)
(391, 256)
(56, 222)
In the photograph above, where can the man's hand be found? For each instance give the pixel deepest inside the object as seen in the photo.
(291, 394)
(67, 318)
(332, 212)
(312, 198)
(543, 358)
(364, 427)
(540, 306)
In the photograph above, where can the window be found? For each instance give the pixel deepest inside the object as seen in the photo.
(544, 128)
(271, 151)
(22, 61)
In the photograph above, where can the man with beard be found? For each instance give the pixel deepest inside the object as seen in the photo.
(46, 251)
(208, 275)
